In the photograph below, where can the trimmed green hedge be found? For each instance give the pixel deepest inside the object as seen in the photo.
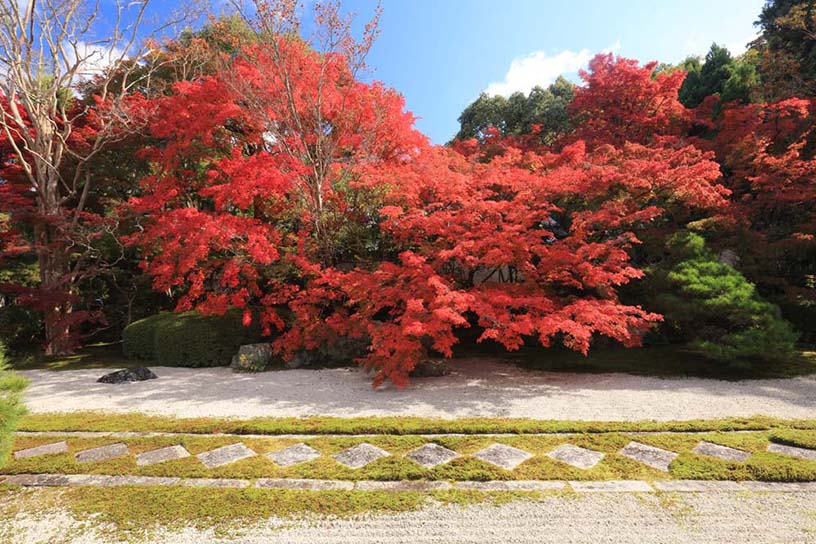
(188, 339)
(11, 405)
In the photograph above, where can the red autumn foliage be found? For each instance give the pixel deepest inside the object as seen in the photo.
(767, 154)
(622, 101)
(310, 194)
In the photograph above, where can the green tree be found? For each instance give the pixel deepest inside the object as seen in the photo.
(706, 78)
(520, 114)
(717, 310)
(787, 44)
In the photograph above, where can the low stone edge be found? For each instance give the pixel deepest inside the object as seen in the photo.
(599, 486)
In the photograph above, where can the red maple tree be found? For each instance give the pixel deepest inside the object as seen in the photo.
(286, 183)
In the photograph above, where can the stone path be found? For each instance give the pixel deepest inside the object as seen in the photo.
(600, 486)
(428, 455)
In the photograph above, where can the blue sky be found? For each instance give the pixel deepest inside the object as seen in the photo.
(441, 53)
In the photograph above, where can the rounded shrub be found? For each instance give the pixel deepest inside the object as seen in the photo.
(189, 339)
(139, 338)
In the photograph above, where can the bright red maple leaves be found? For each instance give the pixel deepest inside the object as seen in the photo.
(290, 186)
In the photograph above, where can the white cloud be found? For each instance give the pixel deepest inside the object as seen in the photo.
(538, 68)
(740, 46)
(93, 59)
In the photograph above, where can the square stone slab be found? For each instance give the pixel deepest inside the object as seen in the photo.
(360, 455)
(225, 455)
(102, 453)
(293, 455)
(801, 453)
(649, 455)
(576, 456)
(503, 456)
(161, 455)
(47, 449)
(431, 455)
(721, 452)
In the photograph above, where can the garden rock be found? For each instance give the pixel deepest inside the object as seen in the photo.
(134, 374)
(431, 368)
(253, 358)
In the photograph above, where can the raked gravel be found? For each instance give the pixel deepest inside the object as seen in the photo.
(476, 387)
(699, 518)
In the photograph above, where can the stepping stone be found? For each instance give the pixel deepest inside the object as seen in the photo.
(721, 452)
(431, 455)
(293, 455)
(576, 456)
(360, 455)
(649, 455)
(612, 486)
(161, 455)
(225, 455)
(102, 453)
(503, 456)
(792, 451)
(47, 449)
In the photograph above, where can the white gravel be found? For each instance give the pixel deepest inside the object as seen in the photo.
(705, 518)
(477, 387)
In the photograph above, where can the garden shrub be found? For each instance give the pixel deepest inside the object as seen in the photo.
(11, 405)
(139, 338)
(189, 339)
(719, 311)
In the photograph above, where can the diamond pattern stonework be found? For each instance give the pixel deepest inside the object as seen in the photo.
(360, 455)
(649, 455)
(792, 451)
(576, 456)
(225, 455)
(431, 455)
(293, 455)
(161, 455)
(721, 452)
(47, 449)
(503, 456)
(102, 453)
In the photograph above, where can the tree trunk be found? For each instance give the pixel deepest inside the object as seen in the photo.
(54, 265)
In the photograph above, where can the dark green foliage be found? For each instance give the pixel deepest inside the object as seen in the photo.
(717, 310)
(789, 35)
(188, 339)
(11, 405)
(519, 114)
(718, 74)
(139, 338)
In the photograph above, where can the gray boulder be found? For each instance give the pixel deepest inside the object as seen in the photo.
(133, 374)
(431, 368)
(254, 358)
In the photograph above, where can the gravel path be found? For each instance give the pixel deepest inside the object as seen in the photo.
(705, 518)
(477, 387)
